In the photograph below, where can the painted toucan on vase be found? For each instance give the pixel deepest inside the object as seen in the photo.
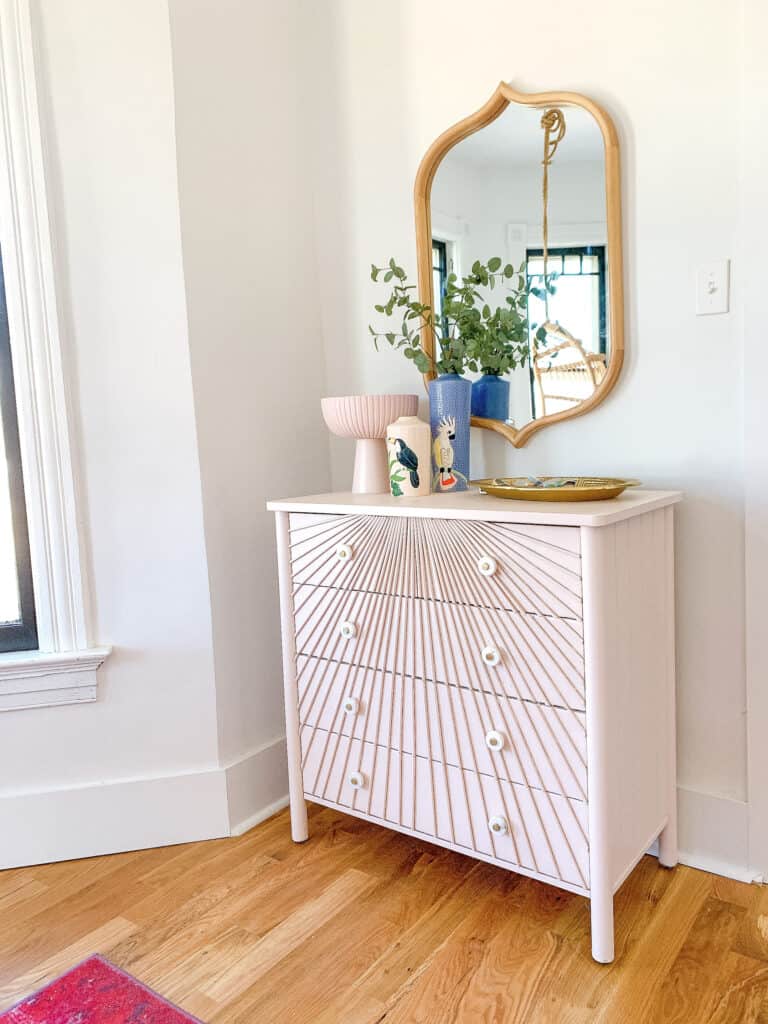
(442, 452)
(408, 459)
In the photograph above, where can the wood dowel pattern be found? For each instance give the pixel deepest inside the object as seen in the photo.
(419, 615)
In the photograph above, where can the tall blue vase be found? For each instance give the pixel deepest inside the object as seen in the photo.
(450, 400)
(490, 397)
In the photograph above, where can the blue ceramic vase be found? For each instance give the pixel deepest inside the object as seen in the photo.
(450, 400)
(490, 397)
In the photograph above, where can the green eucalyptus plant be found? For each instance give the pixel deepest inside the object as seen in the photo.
(468, 333)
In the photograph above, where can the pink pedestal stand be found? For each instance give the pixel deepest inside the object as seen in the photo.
(366, 418)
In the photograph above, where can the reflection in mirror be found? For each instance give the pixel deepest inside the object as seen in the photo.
(487, 200)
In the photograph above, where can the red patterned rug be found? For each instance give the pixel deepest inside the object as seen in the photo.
(95, 992)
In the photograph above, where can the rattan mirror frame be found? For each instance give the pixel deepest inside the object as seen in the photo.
(499, 101)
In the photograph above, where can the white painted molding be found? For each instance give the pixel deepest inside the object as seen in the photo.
(714, 834)
(110, 817)
(25, 239)
(29, 679)
(257, 817)
(101, 817)
(257, 785)
(49, 487)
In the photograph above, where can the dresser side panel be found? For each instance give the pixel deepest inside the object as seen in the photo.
(627, 631)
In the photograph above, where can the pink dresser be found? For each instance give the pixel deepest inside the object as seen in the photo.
(495, 677)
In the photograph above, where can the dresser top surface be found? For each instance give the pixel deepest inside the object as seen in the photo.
(473, 504)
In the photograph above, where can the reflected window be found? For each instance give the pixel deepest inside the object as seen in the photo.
(18, 629)
(566, 372)
(579, 301)
(439, 275)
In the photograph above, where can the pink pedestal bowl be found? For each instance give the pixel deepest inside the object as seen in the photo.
(366, 418)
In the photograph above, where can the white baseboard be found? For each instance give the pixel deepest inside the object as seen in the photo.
(86, 820)
(713, 833)
(257, 785)
(261, 815)
(127, 814)
(91, 819)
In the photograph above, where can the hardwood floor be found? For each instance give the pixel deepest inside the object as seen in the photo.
(364, 926)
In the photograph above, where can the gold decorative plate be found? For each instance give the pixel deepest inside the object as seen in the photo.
(555, 488)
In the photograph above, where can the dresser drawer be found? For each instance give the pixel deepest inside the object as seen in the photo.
(534, 657)
(539, 831)
(515, 740)
(534, 569)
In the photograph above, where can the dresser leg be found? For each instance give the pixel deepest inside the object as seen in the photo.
(668, 842)
(299, 827)
(601, 910)
(668, 835)
(299, 824)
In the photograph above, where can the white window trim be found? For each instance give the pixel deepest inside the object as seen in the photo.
(64, 668)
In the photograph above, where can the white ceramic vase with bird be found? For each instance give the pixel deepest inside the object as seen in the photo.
(408, 455)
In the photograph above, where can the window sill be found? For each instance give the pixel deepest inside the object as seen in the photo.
(30, 679)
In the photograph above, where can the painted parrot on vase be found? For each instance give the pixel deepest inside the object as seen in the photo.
(442, 452)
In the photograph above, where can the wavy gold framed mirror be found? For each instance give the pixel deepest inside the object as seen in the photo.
(500, 185)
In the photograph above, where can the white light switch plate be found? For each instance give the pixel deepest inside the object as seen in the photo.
(712, 287)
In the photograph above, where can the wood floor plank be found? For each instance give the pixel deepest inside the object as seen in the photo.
(685, 992)
(752, 937)
(518, 959)
(442, 990)
(332, 960)
(627, 994)
(272, 946)
(177, 932)
(84, 910)
(392, 972)
(741, 995)
(361, 925)
(258, 891)
(62, 960)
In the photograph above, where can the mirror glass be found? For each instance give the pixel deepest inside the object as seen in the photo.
(486, 201)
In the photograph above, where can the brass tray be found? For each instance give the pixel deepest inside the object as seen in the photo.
(555, 488)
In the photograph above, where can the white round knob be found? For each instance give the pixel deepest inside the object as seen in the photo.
(348, 630)
(494, 740)
(351, 705)
(357, 780)
(344, 553)
(498, 825)
(486, 565)
(490, 655)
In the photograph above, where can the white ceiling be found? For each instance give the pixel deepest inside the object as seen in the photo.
(516, 137)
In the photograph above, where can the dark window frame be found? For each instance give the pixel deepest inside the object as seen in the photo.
(573, 250)
(22, 634)
(442, 264)
(581, 251)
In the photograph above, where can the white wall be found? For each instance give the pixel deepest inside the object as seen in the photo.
(257, 360)
(381, 85)
(106, 83)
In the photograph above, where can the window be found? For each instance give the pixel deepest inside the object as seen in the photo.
(18, 629)
(579, 302)
(45, 655)
(439, 274)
